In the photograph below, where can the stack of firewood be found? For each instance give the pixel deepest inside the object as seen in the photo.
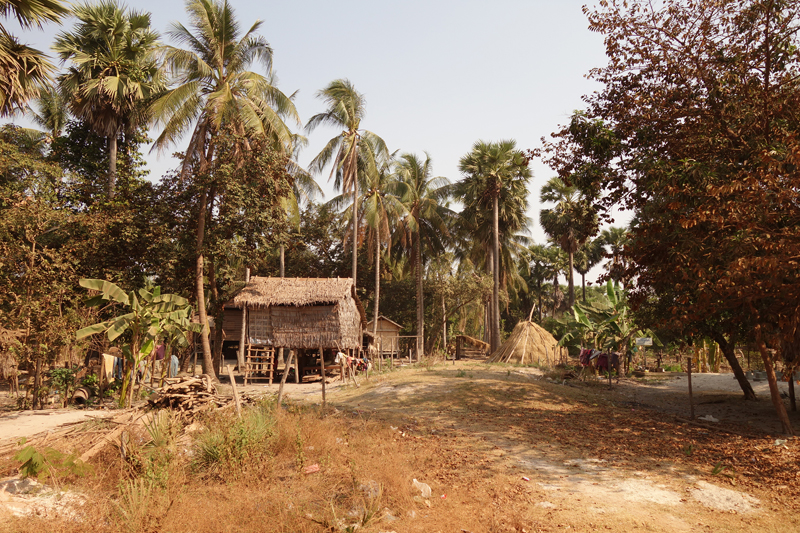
(187, 394)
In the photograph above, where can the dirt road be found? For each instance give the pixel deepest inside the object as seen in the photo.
(591, 459)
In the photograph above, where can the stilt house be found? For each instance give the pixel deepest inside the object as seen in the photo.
(310, 315)
(299, 313)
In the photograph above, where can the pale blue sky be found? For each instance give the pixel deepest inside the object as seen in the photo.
(437, 75)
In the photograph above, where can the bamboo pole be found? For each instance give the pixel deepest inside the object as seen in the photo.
(235, 392)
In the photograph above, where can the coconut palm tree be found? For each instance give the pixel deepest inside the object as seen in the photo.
(613, 240)
(24, 70)
(50, 111)
(214, 89)
(542, 262)
(379, 211)
(588, 255)
(569, 223)
(382, 210)
(425, 226)
(304, 190)
(346, 108)
(113, 74)
(489, 169)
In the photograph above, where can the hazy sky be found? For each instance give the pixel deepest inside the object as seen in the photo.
(437, 75)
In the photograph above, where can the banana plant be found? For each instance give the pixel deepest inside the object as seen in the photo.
(607, 324)
(146, 316)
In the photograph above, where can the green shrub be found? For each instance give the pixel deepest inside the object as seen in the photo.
(228, 444)
(47, 463)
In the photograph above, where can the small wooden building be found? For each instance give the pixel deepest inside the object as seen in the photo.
(467, 346)
(387, 336)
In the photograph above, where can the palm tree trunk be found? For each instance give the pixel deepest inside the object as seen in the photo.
(583, 284)
(208, 364)
(555, 293)
(377, 290)
(539, 285)
(496, 274)
(571, 280)
(420, 296)
(355, 228)
(283, 257)
(444, 328)
(489, 320)
(112, 165)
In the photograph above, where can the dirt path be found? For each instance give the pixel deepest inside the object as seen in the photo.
(591, 461)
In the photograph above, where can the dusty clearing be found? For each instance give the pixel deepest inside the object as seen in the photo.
(504, 449)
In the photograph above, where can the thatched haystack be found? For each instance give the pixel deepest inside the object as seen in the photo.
(302, 313)
(529, 343)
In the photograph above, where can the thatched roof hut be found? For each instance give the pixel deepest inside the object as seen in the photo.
(306, 313)
(528, 343)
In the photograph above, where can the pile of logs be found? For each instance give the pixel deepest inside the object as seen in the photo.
(188, 395)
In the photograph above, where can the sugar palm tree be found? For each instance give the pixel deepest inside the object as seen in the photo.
(569, 223)
(113, 74)
(24, 70)
(489, 169)
(346, 108)
(214, 89)
(424, 227)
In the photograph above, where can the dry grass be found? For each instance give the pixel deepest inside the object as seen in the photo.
(247, 476)
(460, 429)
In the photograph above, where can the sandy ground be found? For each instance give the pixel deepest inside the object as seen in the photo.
(27, 423)
(715, 395)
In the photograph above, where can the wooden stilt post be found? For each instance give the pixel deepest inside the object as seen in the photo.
(792, 401)
(283, 377)
(322, 372)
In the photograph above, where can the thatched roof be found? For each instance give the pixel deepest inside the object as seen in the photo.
(529, 342)
(472, 341)
(260, 293)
